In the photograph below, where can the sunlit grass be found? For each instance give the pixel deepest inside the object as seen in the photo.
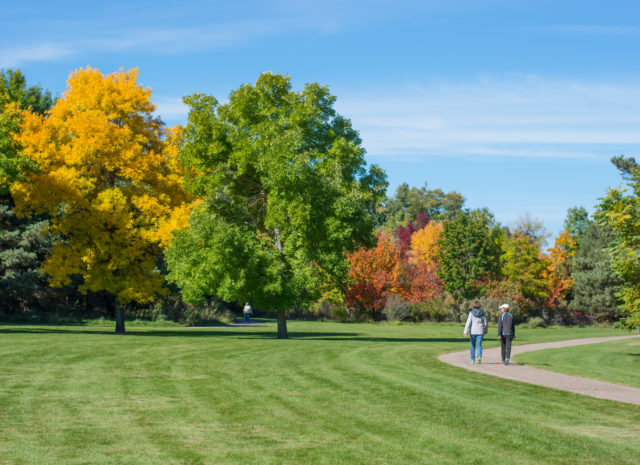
(332, 394)
(618, 361)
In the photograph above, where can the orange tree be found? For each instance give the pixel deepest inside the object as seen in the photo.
(558, 273)
(375, 273)
(109, 177)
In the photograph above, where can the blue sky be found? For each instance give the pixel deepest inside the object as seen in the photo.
(518, 105)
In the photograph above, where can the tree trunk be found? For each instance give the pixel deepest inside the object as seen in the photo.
(119, 319)
(282, 325)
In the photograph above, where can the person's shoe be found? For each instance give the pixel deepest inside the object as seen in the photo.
(471, 360)
(506, 362)
(502, 362)
(479, 361)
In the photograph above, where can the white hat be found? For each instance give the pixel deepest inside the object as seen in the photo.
(504, 306)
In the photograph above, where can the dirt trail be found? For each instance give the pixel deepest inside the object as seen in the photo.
(528, 374)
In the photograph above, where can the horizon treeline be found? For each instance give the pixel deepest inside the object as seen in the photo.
(106, 212)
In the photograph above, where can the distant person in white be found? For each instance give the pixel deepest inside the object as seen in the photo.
(247, 312)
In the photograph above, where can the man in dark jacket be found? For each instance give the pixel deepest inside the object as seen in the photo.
(506, 332)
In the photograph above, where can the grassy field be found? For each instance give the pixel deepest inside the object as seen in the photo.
(618, 362)
(333, 394)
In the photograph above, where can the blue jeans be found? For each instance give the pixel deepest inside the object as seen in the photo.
(246, 317)
(476, 341)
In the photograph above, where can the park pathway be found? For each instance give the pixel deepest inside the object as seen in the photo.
(528, 374)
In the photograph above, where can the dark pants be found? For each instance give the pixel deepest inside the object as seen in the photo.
(505, 345)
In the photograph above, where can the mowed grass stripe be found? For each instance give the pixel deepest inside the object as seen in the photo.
(335, 394)
(616, 362)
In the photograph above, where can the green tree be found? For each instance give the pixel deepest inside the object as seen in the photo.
(285, 192)
(13, 88)
(469, 252)
(15, 97)
(409, 202)
(522, 263)
(626, 166)
(620, 212)
(577, 223)
(595, 282)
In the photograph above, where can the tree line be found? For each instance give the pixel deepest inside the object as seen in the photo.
(266, 198)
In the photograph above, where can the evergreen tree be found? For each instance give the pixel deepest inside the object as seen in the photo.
(595, 283)
(24, 243)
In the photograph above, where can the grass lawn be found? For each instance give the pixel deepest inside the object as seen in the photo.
(618, 362)
(333, 394)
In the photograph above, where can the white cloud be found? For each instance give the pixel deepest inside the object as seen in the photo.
(179, 40)
(162, 41)
(516, 116)
(14, 57)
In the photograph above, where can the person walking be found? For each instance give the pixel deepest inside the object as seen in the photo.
(246, 311)
(506, 332)
(476, 327)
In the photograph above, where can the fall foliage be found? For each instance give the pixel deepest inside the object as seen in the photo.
(109, 177)
(425, 244)
(558, 274)
(374, 274)
(285, 197)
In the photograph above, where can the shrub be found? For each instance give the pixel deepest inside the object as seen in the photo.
(535, 322)
(431, 310)
(322, 310)
(502, 291)
(175, 309)
(339, 313)
(207, 313)
(396, 309)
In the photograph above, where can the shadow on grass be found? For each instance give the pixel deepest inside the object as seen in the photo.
(231, 331)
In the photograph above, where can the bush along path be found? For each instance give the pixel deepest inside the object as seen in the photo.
(528, 374)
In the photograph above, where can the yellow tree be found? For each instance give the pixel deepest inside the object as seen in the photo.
(109, 176)
(425, 246)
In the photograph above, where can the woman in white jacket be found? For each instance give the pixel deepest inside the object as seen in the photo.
(476, 327)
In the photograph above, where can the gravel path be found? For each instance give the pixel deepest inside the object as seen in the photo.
(528, 374)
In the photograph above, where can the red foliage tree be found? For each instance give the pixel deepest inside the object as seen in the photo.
(391, 268)
(422, 282)
(374, 274)
(403, 233)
